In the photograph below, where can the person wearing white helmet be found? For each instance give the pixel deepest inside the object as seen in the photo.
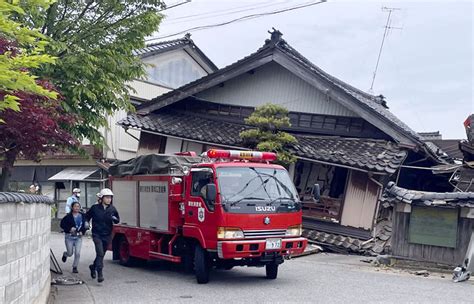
(103, 216)
(76, 194)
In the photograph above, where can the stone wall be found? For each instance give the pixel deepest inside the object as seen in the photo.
(25, 222)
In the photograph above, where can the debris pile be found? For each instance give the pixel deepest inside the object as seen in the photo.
(380, 244)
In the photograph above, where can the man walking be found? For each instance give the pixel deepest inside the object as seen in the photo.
(103, 216)
(76, 194)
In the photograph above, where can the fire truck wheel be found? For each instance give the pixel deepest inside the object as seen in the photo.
(201, 265)
(271, 271)
(124, 253)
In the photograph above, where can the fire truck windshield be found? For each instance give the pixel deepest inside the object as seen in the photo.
(253, 186)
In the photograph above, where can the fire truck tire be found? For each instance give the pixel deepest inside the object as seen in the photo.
(201, 265)
(124, 253)
(271, 271)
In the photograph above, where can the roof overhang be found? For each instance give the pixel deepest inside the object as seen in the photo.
(76, 174)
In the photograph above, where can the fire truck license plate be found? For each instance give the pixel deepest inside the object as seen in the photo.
(273, 244)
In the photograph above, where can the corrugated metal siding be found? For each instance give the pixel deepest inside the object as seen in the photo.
(360, 202)
(273, 83)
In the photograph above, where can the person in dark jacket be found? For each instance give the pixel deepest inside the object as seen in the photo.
(103, 216)
(74, 226)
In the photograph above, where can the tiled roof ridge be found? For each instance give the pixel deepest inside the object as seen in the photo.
(18, 197)
(409, 196)
(185, 40)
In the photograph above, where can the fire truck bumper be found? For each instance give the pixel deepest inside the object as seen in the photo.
(258, 248)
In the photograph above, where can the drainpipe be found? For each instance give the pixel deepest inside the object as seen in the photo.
(133, 136)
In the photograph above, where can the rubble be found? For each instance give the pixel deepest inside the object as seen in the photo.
(424, 273)
(379, 244)
(311, 248)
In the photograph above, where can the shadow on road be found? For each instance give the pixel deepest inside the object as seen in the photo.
(238, 276)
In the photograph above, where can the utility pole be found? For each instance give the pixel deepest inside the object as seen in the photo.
(388, 27)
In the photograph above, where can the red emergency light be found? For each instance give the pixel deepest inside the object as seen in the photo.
(247, 155)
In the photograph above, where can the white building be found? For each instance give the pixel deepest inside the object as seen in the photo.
(171, 64)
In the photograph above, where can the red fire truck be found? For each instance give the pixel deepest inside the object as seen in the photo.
(223, 209)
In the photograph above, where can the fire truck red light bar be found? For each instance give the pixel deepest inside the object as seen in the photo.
(235, 154)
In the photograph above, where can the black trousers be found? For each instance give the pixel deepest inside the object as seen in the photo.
(101, 243)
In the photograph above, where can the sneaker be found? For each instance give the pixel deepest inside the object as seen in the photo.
(74, 270)
(92, 269)
(64, 258)
(100, 278)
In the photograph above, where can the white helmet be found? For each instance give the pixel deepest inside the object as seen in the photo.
(105, 192)
(76, 190)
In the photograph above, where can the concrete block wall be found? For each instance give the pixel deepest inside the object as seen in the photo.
(24, 252)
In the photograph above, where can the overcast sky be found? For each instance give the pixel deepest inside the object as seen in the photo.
(426, 69)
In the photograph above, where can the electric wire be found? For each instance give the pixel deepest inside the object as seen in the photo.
(240, 19)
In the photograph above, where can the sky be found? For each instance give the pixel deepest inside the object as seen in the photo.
(426, 70)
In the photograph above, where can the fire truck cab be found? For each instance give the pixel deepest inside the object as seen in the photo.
(223, 209)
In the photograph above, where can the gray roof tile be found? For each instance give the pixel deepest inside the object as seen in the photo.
(15, 197)
(394, 193)
(366, 154)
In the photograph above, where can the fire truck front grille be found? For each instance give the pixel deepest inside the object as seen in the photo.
(258, 234)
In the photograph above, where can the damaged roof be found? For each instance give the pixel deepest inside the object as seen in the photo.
(446, 149)
(394, 193)
(372, 108)
(364, 154)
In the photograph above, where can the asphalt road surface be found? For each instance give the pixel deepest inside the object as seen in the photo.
(319, 278)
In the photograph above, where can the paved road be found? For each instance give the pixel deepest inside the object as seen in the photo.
(320, 278)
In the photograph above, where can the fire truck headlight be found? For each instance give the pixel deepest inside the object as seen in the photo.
(294, 230)
(229, 233)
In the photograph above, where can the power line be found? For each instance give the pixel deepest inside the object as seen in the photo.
(243, 18)
(388, 27)
(230, 12)
(218, 11)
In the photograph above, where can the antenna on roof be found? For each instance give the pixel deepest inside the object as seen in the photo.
(388, 27)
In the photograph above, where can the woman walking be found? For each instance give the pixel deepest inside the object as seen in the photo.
(74, 226)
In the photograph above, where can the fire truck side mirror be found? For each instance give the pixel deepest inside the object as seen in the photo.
(211, 193)
(316, 192)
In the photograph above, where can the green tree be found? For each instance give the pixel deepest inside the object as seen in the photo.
(22, 50)
(269, 119)
(94, 43)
